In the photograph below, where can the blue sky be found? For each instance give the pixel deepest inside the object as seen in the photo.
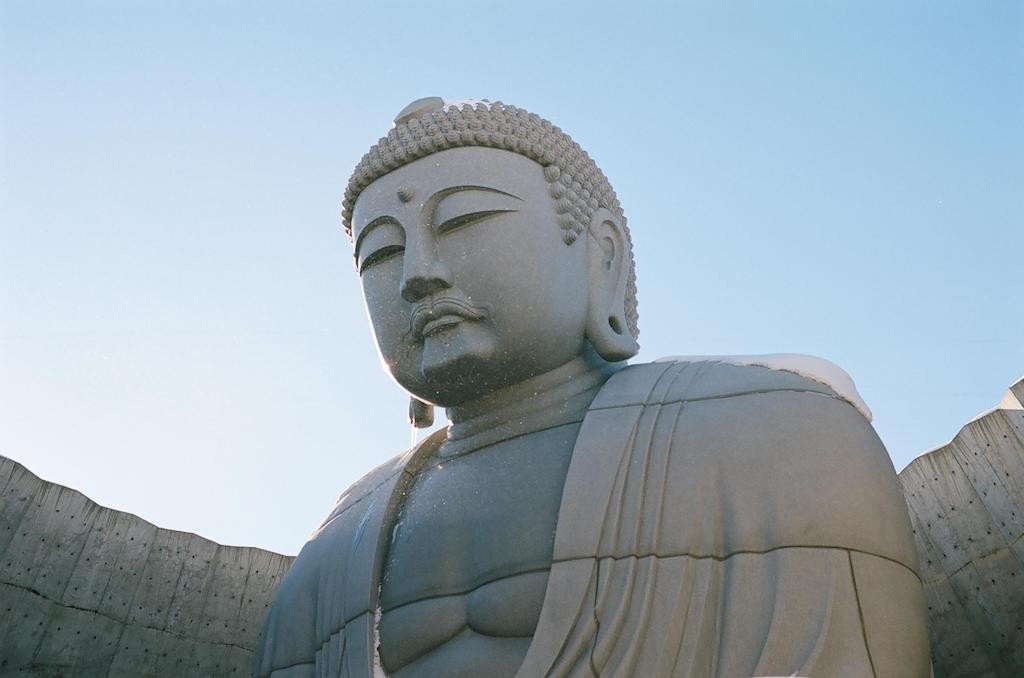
(181, 330)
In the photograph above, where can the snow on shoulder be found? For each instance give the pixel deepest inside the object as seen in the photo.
(808, 366)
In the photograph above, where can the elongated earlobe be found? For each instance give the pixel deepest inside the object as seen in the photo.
(608, 269)
(421, 414)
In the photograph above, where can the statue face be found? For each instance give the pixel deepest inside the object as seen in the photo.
(468, 284)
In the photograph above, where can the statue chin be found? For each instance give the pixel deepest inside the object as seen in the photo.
(455, 381)
(457, 365)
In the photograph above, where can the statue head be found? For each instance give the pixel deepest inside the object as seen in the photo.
(467, 221)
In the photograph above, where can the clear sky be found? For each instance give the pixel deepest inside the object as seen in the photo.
(182, 333)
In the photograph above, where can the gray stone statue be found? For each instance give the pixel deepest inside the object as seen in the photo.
(581, 517)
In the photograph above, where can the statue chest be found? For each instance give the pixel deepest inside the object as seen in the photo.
(466, 569)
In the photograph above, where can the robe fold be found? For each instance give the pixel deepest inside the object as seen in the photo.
(717, 520)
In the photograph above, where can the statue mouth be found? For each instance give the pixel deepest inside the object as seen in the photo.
(440, 314)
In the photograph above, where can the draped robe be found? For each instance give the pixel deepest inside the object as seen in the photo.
(717, 520)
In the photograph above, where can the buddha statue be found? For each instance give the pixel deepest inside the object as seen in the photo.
(580, 516)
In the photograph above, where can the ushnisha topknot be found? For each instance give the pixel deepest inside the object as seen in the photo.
(577, 186)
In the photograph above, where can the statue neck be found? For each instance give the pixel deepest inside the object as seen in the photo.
(554, 398)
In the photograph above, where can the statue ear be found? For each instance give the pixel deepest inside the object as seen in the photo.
(607, 272)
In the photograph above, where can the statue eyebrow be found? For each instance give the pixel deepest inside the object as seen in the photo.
(379, 221)
(445, 192)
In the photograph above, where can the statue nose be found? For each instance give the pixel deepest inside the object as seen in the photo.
(430, 278)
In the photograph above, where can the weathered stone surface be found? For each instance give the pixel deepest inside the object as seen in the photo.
(966, 504)
(581, 517)
(85, 590)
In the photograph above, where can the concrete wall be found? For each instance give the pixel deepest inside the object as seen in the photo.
(87, 591)
(966, 502)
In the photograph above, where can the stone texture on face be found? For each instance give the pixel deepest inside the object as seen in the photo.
(469, 286)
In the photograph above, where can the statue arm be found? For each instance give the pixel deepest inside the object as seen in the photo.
(286, 646)
(838, 508)
(730, 520)
(323, 612)
(884, 571)
(741, 524)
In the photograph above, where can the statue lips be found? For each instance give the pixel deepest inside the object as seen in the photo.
(440, 314)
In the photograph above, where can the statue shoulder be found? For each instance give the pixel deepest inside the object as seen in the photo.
(289, 638)
(337, 562)
(776, 371)
(702, 377)
(786, 439)
(363, 488)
